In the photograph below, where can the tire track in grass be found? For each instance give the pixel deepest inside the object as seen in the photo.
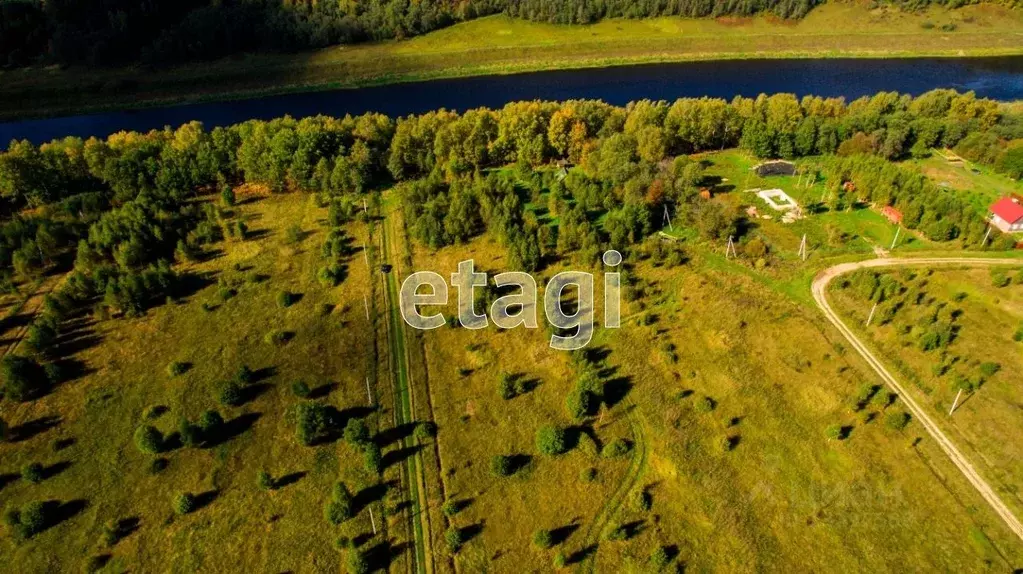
(610, 509)
(403, 408)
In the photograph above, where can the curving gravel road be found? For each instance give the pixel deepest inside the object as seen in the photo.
(820, 285)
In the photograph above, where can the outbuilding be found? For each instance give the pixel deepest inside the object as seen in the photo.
(1007, 214)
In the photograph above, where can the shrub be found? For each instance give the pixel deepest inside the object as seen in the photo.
(158, 465)
(211, 422)
(728, 443)
(618, 533)
(897, 420)
(29, 520)
(227, 196)
(336, 513)
(425, 430)
(543, 539)
(356, 433)
(285, 299)
(705, 405)
(275, 337)
(1018, 335)
(989, 369)
(834, 432)
(507, 387)
(659, 558)
(588, 474)
(184, 503)
(551, 440)
(357, 563)
(264, 481)
(454, 539)
(642, 501)
(617, 448)
(451, 507)
(1000, 279)
(300, 389)
(315, 422)
(501, 465)
(191, 434)
(560, 561)
(177, 368)
(372, 459)
(293, 234)
(230, 393)
(148, 439)
(23, 378)
(33, 472)
(245, 375)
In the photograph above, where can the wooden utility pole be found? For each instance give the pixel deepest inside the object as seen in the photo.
(372, 521)
(369, 394)
(365, 253)
(986, 236)
(897, 231)
(955, 403)
(667, 218)
(365, 303)
(871, 316)
(802, 248)
(730, 248)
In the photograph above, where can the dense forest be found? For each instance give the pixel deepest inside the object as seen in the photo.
(120, 211)
(111, 32)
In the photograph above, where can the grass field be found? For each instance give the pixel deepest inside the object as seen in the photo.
(501, 45)
(979, 183)
(722, 383)
(988, 318)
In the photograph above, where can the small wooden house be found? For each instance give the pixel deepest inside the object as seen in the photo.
(892, 214)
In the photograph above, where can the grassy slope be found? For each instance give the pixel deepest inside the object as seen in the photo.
(990, 317)
(499, 44)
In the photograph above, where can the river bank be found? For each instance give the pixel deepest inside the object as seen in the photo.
(499, 45)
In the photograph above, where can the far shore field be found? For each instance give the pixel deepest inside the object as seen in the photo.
(502, 45)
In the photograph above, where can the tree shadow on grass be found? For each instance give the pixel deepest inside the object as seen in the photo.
(581, 555)
(472, 531)
(34, 427)
(369, 495)
(399, 455)
(204, 499)
(6, 479)
(382, 554)
(57, 512)
(289, 479)
(322, 390)
(616, 390)
(56, 468)
(232, 428)
(394, 434)
(561, 534)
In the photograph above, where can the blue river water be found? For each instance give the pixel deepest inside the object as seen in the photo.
(999, 78)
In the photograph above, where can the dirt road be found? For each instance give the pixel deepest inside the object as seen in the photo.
(820, 285)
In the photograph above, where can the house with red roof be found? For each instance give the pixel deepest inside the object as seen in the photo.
(1007, 214)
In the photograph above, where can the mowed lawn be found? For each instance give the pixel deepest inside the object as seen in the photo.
(781, 496)
(985, 424)
(83, 431)
(499, 45)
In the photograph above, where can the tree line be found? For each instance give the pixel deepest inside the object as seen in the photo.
(112, 32)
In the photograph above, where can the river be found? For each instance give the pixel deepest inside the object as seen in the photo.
(998, 78)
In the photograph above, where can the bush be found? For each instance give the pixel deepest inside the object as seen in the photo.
(300, 389)
(543, 539)
(230, 393)
(245, 375)
(357, 562)
(264, 481)
(275, 337)
(897, 420)
(177, 368)
(285, 299)
(834, 432)
(507, 387)
(1000, 279)
(372, 459)
(227, 196)
(705, 405)
(617, 448)
(618, 533)
(356, 433)
(454, 539)
(191, 434)
(642, 501)
(659, 558)
(451, 507)
(148, 440)
(293, 234)
(316, 422)
(23, 378)
(425, 430)
(184, 503)
(551, 440)
(29, 520)
(212, 423)
(989, 369)
(33, 472)
(1018, 335)
(336, 512)
(588, 474)
(501, 465)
